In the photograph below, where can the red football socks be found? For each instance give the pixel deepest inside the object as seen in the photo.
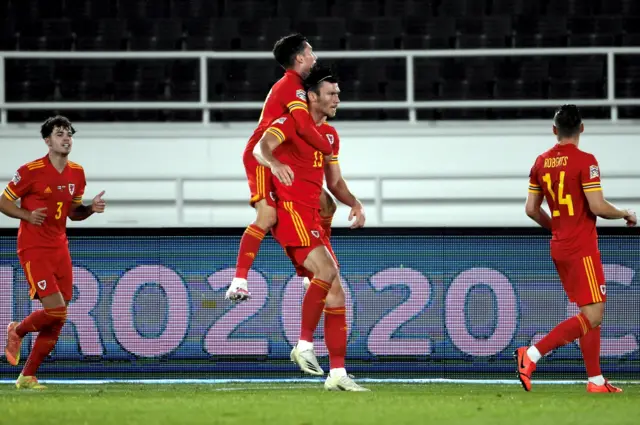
(335, 335)
(49, 323)
(249, 246)
(312, 306)
(41, 319)
(566, 332)
(45, 342)
(590, 347)
(325, 223)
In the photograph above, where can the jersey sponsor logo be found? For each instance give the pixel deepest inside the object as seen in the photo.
(315, 233)
(301, 94)
(72, 188)
(594, 172)
(42, 285)
(603, 289)
(16, 178)
(330, 138)
(280, 120)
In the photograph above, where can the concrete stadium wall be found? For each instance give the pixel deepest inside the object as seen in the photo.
(449, 174)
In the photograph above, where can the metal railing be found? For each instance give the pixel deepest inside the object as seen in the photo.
(176, 197)
(409, 104)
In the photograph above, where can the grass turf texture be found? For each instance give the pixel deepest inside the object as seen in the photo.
(308, 403)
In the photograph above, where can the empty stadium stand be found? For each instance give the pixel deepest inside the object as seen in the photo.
(253, 25)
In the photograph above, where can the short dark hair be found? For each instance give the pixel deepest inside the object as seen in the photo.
(287, 48)
(53, 122)
(317, 76)
(567, 120)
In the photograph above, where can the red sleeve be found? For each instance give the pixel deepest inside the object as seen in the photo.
(79, 192)
(335, 144)
(282, 128)
(19, 184)
(295, 99)
(534, 184)
(590, 174)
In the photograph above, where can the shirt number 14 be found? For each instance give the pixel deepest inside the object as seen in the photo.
(562, 198)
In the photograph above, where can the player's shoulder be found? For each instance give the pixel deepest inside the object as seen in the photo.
(32, 167)
(75, 166)
(327, 128)
(587, 156)
(283, 119)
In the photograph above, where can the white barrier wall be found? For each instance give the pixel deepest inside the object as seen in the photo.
(459, 174)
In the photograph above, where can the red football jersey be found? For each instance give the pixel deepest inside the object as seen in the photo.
(306, 163)
(39, 185)
(286, 95)
(563, 174)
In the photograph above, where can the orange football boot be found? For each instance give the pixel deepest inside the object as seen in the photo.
(12, 350)
(606, 388)
(525, 367)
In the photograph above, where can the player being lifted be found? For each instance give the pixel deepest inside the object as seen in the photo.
(569, 179)
(299, 174)
(296, 56)
(50, 190)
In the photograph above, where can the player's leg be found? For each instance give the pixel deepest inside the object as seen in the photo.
(328, 209)
(319, 262)
(48, 322)
(259, 178)
(335, 338)
(580, 283)
(590, 343)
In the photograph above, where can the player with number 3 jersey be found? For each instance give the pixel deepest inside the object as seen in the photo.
(50, 190)
(569, 180)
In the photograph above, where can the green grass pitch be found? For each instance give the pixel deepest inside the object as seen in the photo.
(308, 403)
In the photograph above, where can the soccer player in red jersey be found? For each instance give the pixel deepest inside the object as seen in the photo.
(299, 172)
(50, 190)
(296, 56)
(569, 179)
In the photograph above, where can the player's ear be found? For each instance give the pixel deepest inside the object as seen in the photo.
(581, 127)
(555, 130)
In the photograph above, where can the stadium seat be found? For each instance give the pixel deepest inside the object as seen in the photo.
(358, 25)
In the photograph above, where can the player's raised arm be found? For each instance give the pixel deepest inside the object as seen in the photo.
(17, 188)
(590, 176)
(533, 206)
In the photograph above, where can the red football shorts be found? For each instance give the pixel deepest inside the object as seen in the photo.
(582, 277)
(48, 270)
(299, 232)
(259, 178)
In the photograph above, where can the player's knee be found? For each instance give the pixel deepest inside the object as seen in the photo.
(57, 315)
(336, 297)
(329, 271)
(594, 313)
(266, 218)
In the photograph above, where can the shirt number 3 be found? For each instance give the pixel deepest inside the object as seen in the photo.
(59, 210)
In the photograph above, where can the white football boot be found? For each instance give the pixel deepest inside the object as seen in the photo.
(238, 290)
(305, 358)
(342, 382)
(306, 282)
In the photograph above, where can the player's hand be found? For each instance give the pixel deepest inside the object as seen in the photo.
(357, 212)
(283, 173)
(631, 218)
(37, 216)
(98, 204)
